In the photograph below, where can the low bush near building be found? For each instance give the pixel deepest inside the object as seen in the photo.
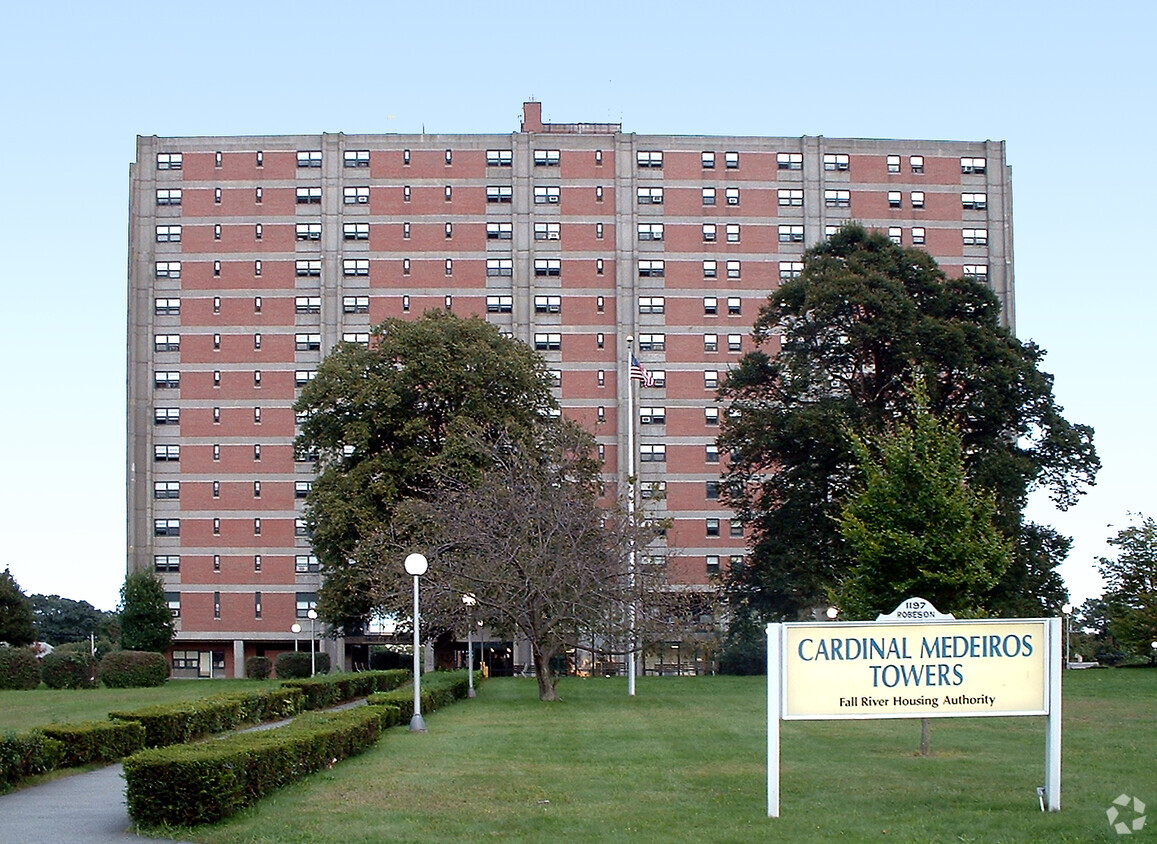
(294, 665)
(258, 667)
(19, 669)
(70, 670)
(134, 669)
(96, 741)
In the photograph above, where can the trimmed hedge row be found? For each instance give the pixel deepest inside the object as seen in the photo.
(439, 689)
(204, 783)
(97, 741)
(134, 669)
(70, 670)
(332, 689)
(177, 723)
(26, 755)
(19, 669)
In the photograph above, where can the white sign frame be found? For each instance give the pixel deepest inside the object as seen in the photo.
(777, 691)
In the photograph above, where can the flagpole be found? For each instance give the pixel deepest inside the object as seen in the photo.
(631, 516)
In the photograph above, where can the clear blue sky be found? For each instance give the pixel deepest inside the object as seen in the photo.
(1069, 86)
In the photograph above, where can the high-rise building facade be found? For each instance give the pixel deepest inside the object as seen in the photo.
(251, 257)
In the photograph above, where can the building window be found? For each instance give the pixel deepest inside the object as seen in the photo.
(732, 195)
(168, 196)
(893, 164)
(216, 196)
(733, 232)
(499, 267)
(545, 195)
(547, 341)
(599, 157)
(406, 157)
(449, 266)
(789, 160)
(259, 193)
(355, 304)
(790, 234)
(708, 160)
(355, 266)
(308, 231)
(546, 157)
(650, 231)
(973, 165)
(166, 527)
(166, 342)
(355, 196)
(649, 196)
(300, 528)
(301, 377)
(166, 562)
(917, 198)
(166, 489)
(649, 158)
(711, 379)
(257, 489)
(975, 237)
(736, 528)
(835, 161)
(499, 304)
(362, 338)
(712, 527)
(546, 231)
(169, 160)
(306, 563)
(731, 160)
(449, 192)
(306, 601)
(173, 599)
(652, 416)
(257, 595)
(976, 201)
(601, 377)
(216, 449)
(309, 158)
(600, 340)
(711, 453)
(652, 342)
(652, 304)
(166, 379)
(168, 269)
(710, 305)
(975, 272)
(653, 489)
(168, 416)
(711, 416)
(307, 342)
(504, 231)
(309, 196)
(735, 342)
(306, 268)
(916, 162)
(499, 157)
(790, 269)
(168, 234)
(356, 158)
(407, 193)
(547, 266)
(733, 269)
(918, 236)
(653, 453)
(499, 193)
(734, 306)
(710, 269)
(895, 199)
(708, 196)
(711, 490)
(895, 234)
(216, 273)
(838, 198)
(711, 342)
(709, 234)
(301, 488)
(547, 304)
(652, 269)
(598, 231)
(307, 305)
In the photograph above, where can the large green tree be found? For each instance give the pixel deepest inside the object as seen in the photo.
(916, 527)
(389, 422)
(15, 613)
(1131, 580)
(59, 620)
(840, 348)
(145, 618)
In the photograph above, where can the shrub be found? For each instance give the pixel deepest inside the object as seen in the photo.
(70, 670)
(293, 665)
(330, 690)
(177, 723)
(26, 755)
(232, 773)
(134, 669)
(439, 689)
(19, 669)
(258, 667)
(97, 741)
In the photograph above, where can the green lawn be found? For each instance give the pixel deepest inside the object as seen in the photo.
(23, 710)
(685, 762)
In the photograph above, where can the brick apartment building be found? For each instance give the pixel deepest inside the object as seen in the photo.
(250, 257)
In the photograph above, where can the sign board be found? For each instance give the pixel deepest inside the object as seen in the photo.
(915, 662)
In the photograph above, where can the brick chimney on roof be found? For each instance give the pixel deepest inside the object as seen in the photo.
(531, 117)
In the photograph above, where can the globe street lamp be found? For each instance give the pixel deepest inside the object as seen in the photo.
(416, 566)
(1067, 610)
(295, 628)
(312, 614)
(470, 601)
(832, 612)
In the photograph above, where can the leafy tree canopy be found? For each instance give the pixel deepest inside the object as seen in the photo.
(15, 613)
(1130, 601)
(842, 346)
(146, 621)
(59, 620)
(387, 423)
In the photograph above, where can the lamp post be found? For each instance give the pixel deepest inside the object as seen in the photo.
(416, 566)
(295, 628)
(1153, 652)
(832, 612)
(312, 642)
(470, 601)
(1067, 609)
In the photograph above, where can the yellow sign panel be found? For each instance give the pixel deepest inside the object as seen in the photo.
(915, 670)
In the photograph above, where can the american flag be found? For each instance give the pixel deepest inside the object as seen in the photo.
(638, 373)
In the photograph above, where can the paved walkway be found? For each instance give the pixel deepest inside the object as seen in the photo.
(85, 808)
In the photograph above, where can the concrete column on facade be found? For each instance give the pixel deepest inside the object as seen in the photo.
(522, 239)
(239, 658)
(814, 219)
(999, 215)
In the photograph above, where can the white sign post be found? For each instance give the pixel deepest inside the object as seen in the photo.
(915, 663)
